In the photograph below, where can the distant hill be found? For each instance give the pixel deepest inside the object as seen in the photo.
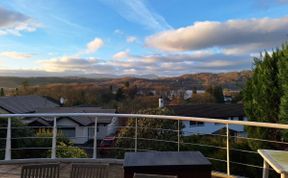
(231, 80)
(13, 82)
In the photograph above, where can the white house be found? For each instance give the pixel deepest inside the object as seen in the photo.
(211, 110)
(78, 129)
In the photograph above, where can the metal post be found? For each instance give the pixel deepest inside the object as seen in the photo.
(8, 140)
(54, 139)
(265, 173)
(178, 135)
(228, 150)
(136, 135)
(95, 139)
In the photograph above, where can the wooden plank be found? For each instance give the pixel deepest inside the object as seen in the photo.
(89, 170)
(136, 175)
(40, 171)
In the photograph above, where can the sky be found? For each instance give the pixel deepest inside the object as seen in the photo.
(137, 37)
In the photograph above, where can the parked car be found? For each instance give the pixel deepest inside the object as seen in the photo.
(107, 144)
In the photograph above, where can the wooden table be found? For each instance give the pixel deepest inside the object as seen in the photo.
(277, 159)
(190, 164)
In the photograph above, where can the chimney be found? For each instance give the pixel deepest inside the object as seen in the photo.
(161, 102)
(62, 101)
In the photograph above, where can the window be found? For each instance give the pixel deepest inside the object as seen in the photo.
(68, 131)
(196, 124)
(91, 132)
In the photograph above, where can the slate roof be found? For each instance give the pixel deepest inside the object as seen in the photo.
(25, 104)
(83, 121)
(210, 110)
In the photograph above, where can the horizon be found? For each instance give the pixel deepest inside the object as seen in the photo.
(107, 76)
(136, 37)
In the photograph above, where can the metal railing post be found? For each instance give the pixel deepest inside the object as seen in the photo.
(95, 139)
(178, 135)
(265, 173)
(228, 149)
(136, 134)
(54, 139)
(8, 140)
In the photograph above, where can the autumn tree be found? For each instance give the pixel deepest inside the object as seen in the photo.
(65, 148)
(202, 98)
(150, 132)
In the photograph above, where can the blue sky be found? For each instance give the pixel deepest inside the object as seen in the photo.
(166, 38)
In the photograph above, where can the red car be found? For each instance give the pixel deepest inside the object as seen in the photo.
(106, 145)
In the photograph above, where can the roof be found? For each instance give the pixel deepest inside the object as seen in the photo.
(83, 121)
(211, 129)
(210, 110)
(25, 104)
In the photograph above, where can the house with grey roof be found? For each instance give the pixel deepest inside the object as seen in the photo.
(210, 110)
(78, 129)
(25, 104)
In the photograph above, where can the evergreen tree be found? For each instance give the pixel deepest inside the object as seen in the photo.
(119, 94)
(216, 92)
(194, 91)
(2, 92)
(283, 77)
(262, 96)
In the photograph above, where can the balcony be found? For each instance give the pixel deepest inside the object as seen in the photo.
(227, 163)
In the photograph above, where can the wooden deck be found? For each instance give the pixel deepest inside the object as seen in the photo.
(14, 171)
(115, 171)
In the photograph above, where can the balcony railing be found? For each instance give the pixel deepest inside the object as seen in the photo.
(136, 139)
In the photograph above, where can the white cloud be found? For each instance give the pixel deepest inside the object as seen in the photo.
(118, 32)
(121, 55)
(14, 23)
(94, 45)
(66, 63)
(15, 55)
(265, 32)
(136, 11)
(269, 3)
(163, 65)
(131, 39)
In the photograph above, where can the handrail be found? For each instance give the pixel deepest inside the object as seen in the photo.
(96, 116)
(180, 118)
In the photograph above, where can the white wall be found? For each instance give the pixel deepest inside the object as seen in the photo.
(209, 128)
(82, 132)
(101, 132)
(112, 127)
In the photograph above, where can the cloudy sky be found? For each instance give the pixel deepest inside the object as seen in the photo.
(162, 37)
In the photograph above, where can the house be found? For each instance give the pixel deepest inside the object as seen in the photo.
(210, 110)
(78, 129)
(25, 104)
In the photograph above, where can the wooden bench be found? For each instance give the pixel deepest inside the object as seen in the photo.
(40, 171)
(136, 175)
(89, 171)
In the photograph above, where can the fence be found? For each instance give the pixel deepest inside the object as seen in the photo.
(136, 139)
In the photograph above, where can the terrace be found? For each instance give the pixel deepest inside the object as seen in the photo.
(10, 167)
